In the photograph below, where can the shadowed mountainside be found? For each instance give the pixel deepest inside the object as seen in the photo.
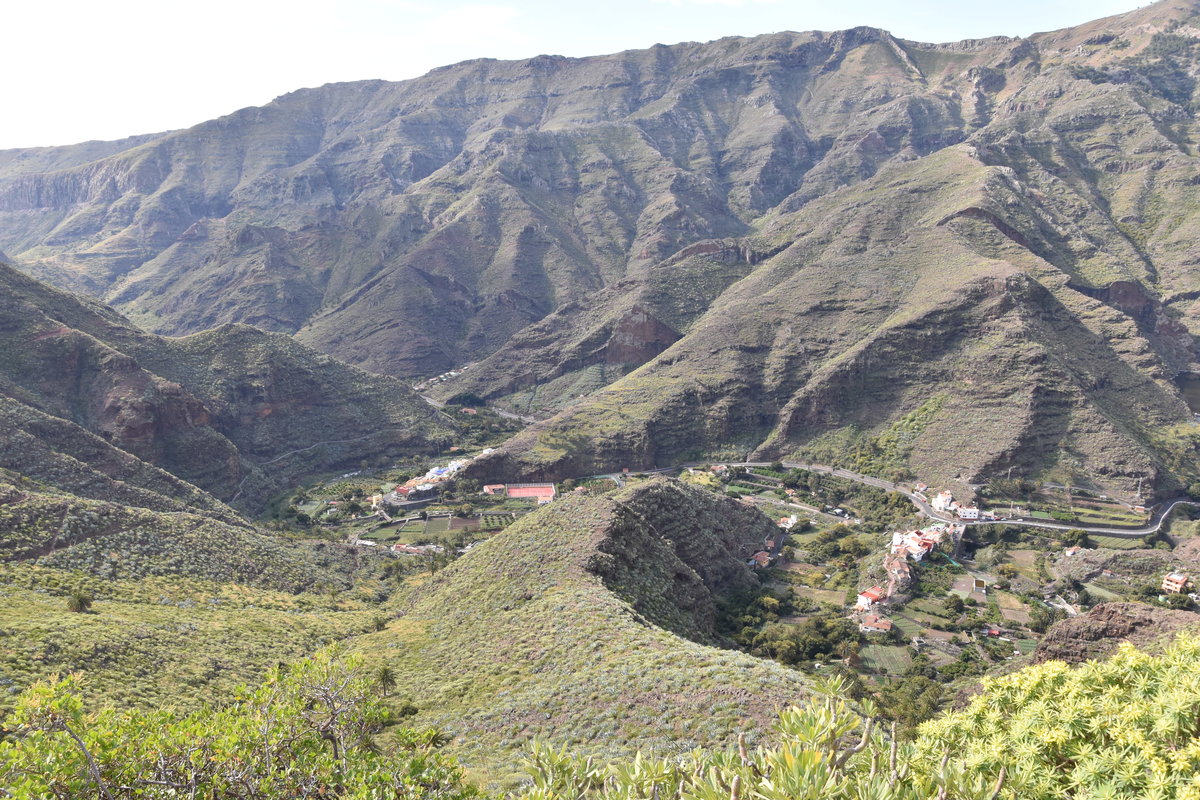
(95, 407)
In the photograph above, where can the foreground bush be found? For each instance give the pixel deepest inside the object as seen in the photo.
(306, 733)
(1128, 727)
(1124, 728)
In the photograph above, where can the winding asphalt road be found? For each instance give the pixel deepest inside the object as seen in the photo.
(1161, 512)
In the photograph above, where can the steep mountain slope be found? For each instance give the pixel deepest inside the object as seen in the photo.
(87, 399)
(1099, 632)
(555, 630)
(792, 244)
(825, 346)
(410, 226)
(1027, 294)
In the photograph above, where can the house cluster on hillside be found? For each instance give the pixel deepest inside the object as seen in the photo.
(541, 492)
(870, 597)
(763, 558)
(760, 560)
(898, 571)
(914, 545)
(944, 501)
(868, 620)
(917, 544)
(424, 487)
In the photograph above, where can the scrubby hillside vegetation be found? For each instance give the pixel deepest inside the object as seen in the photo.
(1123, 728)
(570, 626)
(305, 733)
(125, 458)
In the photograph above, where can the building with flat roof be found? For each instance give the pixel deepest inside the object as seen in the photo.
(542, 492)
(1176, 582)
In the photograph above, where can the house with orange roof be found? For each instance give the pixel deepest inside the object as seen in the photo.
(870, 597)
(760, 560)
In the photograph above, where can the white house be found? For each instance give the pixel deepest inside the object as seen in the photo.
(875, 624)
(942, 501)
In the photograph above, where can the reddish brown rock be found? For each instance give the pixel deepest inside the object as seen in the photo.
(1097, 633)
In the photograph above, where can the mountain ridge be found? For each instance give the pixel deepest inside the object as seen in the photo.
(579, 227)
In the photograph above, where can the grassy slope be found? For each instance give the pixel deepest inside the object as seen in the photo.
(158, 641)
(520, 639)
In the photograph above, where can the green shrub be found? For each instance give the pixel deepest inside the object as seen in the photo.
(1123, 728)
(307, 732)
(79, 601)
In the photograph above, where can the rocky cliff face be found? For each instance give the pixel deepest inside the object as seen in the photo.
(671, 565)
(780, 245)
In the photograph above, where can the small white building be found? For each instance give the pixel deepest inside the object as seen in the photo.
(968, 512)
(872, 623)
(942, 501)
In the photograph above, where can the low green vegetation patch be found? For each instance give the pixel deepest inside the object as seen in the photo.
(309, 731)
(136, 642)
(886, 455)
(1115, 542)
(885, 659)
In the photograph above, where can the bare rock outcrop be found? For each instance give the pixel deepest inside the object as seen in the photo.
(1097, 633)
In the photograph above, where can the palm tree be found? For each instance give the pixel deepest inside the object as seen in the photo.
(385, 677)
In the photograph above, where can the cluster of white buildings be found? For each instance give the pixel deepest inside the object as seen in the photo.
(918, 544)
(426, 485)
(944, 501)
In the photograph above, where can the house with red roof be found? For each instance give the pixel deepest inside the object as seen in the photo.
(870, 597)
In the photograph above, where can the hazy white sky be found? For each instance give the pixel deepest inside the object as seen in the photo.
(103, 69)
